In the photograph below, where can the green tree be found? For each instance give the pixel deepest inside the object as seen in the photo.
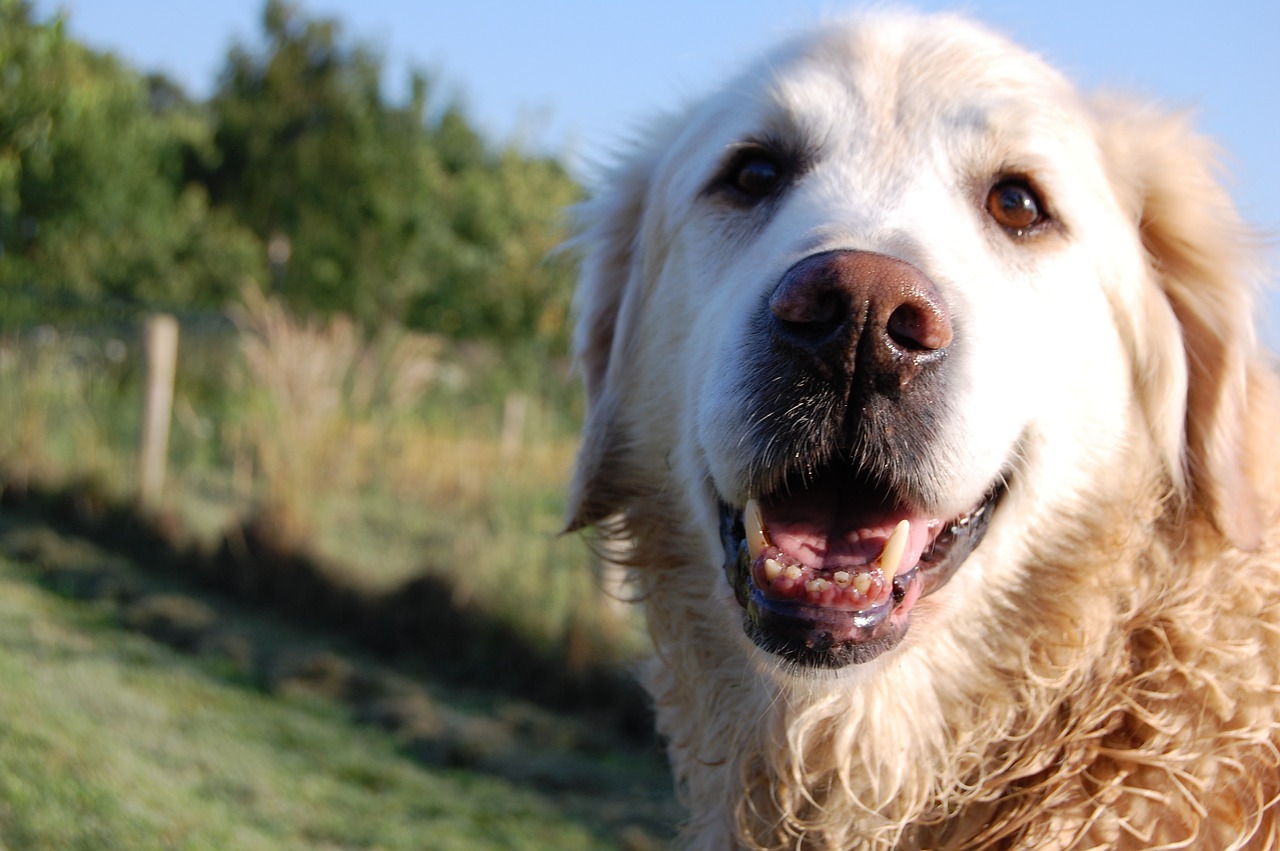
(383, 210)
(92, 201)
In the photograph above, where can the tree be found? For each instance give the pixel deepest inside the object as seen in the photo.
(383, 210)
(92, 203)
(298, 172)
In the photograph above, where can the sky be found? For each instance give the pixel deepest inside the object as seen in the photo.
(578, 77)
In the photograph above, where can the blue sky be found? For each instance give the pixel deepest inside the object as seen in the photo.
(579, 76)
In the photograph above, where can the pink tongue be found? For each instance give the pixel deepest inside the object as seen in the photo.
(830, 528)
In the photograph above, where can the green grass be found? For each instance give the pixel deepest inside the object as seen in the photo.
(109, 739)
(230, 730)
(390, 458)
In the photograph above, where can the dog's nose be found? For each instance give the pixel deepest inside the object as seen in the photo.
(852, 310)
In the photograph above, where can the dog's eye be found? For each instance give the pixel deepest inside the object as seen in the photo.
(751, 175)
(1015, 206)
(757, 176)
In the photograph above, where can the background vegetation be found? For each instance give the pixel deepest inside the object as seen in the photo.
(298, 174)
(373, 424)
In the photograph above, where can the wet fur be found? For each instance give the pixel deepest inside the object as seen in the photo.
(1116, 688)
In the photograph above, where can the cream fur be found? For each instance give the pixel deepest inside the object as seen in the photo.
(1103, 671)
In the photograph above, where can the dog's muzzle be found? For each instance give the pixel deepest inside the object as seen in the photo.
(836, 541)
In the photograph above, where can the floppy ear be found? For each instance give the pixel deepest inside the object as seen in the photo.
(604, 305)
(1205, 262)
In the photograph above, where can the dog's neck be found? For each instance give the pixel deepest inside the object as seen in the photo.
(964, 743)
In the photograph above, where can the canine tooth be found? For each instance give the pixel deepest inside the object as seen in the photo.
(841, 578)
(753, 523)
(862, 583)
(890, 558)
(772, 569)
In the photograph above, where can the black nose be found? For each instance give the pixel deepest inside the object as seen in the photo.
(855, 311)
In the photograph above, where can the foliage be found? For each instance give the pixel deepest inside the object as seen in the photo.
(89, 207)
(383, 210)
(299, 173)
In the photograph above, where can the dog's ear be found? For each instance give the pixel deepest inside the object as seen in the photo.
(1205, 262)
(604, 305)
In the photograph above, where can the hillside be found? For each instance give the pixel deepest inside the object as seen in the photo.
(138, 713)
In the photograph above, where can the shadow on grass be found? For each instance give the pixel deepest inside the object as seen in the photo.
(419, 622)
(85, 548)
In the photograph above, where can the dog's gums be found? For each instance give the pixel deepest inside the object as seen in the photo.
(843, 595)
(855, 587)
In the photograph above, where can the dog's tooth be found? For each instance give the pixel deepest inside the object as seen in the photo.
(816, 586)
(841, 578)
(772, 569)
(862, 583)
(792, 572)
(753, 523)
(890, 558)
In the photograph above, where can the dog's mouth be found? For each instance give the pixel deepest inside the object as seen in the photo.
(828, 566)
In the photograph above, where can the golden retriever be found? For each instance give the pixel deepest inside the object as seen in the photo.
(924, 400)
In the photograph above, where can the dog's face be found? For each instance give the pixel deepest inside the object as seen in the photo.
(874, 317)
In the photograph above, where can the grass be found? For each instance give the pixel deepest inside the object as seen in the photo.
(109, 739)
(68, 404)
(138, 713)
(392, 456)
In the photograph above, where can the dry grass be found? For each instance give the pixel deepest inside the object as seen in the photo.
(328, 405)
(64, 402)
(392, 456)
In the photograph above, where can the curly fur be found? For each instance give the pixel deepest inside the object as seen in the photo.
(1115, 688)
(1107, 707)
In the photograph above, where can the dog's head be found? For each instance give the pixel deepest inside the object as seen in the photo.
(872, 318)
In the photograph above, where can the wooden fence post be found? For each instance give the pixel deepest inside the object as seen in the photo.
(161, 345)
(514, 413)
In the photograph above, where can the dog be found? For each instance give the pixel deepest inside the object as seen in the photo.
(924, 405)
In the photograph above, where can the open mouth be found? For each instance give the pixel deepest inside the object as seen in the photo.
(828, 566)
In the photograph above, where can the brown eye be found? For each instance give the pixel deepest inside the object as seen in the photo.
(1015, 206)
(756, 173)
(757, 176)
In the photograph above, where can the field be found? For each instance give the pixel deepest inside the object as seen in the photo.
(137, 714)
(351, 622)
